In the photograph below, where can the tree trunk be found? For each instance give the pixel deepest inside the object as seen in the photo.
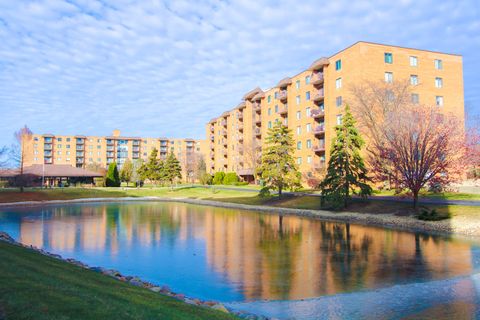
(415, 199)
(279, 192)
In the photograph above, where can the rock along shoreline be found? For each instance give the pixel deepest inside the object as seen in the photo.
(463, 227)
(136, 281)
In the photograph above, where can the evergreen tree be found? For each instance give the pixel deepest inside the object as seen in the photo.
(172, 168)
(112, 179)
(126, 172)
(152, 169)
(278, 168)
(346, 172)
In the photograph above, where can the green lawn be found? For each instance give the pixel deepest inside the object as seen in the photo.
(431, 195)
(33, 286)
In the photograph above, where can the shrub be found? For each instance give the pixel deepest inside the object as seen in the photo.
(218, 177)
(206, 178)
(99, 182)
(3, 184)
(264, 192)
(230, 178)
(241, 183)
(112, 179)
(433, 215)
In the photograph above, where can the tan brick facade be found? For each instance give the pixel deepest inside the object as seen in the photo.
(307, 102)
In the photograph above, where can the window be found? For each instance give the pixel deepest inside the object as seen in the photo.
(307, 80)
(309, 159)
(413, 80)
(309, 144)
(438, 64)
(439, 101)
(307, 112)
(299, 160)
(269, 98)
(390, 95)
(388, 77)
(99, 147)
(299, 130)
(338, 83)
(269, 111)
(297, 99)
(308, 127)
(299, 145)
(339, 119)
(68, 139)
(299, 115)
(68, 158)
(67, 146)
(59, 153)
(297, 84)
(59, 139)
(338, 65)
(388, 57)
(35, 152)
(35, 139)
(338, 101)
(276, 108)
(68, 153)
(275, 95)
(90, 147)
(59, 146)
(415, 98)
(269, 124)
(307, 95)
(413, 61)
(438, 82)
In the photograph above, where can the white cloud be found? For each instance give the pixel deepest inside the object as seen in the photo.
(158, 68)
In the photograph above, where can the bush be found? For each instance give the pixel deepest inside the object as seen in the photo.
(433, 215)
(99, 182)
(264, 192)
(241, 183)
(230, 178)
(112, 179)
(206, 178)
(218, 178)
(3, 184)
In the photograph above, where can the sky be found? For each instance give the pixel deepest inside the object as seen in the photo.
(165, 68)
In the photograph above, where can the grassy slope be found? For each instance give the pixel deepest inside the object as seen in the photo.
(33, 286)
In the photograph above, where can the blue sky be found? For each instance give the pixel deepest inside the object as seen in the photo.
(164, 68)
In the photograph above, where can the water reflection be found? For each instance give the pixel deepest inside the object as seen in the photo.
(224, 254)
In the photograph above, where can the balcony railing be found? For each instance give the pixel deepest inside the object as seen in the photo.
(240, 127)
(317, 113)
(319, 95)
(135, 143)
(212, 137)
(258, 121)
(135, 155)
(110, 148)
(47, 147)
(79, 154)
(212, 129)
(80, 147)
(212, 155)
(110, 154)
(224, 132)
(48, 161)
(258, 132)
(282, 95)
(317, 79)
(47, 153)
(224, 123)
(257, 107)
(80, 141)
(110, 141)
(136, 149)
(283, 111)
(212, 146)
(79, 160)
(319, 147)
(319, 130)
(240, 116)
(163, 149)
(319, 165)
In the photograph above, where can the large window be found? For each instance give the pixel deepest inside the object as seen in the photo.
(299, 145)
(438, 64)
(388, 57)
(338, 101)
(299, 115)
(297, 99)
(299, 130)
(307, 112)
(297, 84)
(439, 101)
(307, 80)
(413, 80)
(338, 83)
(438, 82)
(309, 144)
(413, 61)
(307, 95)
(339, 119)
(388, 77)
(338, 65)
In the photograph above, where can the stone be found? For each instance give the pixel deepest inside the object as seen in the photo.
(156, 289)
(180, 296)
(220, 307)
(97, 269)
(190, 301)
(136, 283)
(210, 303)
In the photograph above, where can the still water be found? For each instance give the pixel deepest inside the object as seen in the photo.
(239, 256)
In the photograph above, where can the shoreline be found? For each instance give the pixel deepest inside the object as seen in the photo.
(466, 229)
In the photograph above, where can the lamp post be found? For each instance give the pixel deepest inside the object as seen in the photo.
(43, 174)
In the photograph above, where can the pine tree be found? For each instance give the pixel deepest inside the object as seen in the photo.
(112, 178)
(127, 171)
(278, 168)
(346, 172)
(172, 168)
(152, 169)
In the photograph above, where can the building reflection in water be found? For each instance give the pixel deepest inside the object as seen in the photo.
(257, 256)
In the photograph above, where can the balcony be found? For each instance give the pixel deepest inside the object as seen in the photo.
(319, 165)
(110, 154)
(257, 107)
(223, 122)
(135, 155)
(212, 129)
(80, 147)
(47, 140)
(79, 154)
(225, 154)
(163, 149)
(282, 95)
(240, 127)
(48, 161)
(320, 147)
(240, 149)
(80, 141)
(283, 111)
(258, 121)
(47, 153)
(258, 132)
(136, 142)
(47, 146)
(240, 138)
(317, 79)
(317, 113)
(212, 137)
(319, 96)
(212, 155)
(212, 146)
(240, 116)
(224, 133)
(319, 130)
(225, 143)
(79, 160)
(136, 149)
(110, 148)
(110, 142)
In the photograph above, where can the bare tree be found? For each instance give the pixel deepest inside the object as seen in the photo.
(18, 151)
(252, 156)
(3, 157)
(409, 144)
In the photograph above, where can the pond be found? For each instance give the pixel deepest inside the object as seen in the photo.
(242, 257)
